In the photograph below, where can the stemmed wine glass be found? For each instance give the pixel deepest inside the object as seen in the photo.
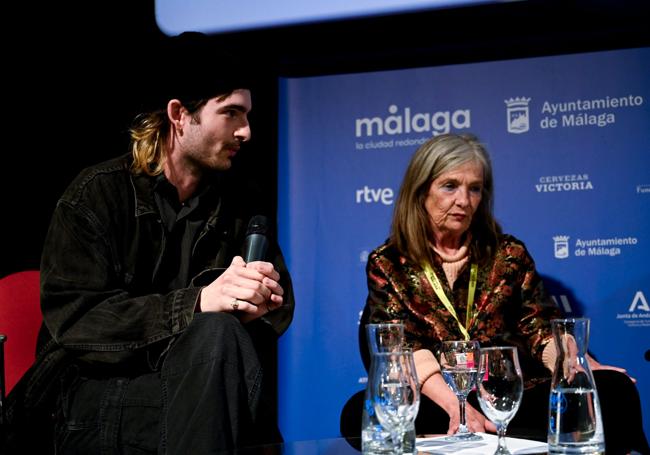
(396, 393)
(459, 365)
(500, 389)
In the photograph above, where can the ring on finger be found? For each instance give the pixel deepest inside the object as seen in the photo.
(234, 304)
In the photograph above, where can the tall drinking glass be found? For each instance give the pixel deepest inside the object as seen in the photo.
(396, 394)
(500, 388)
(459, 365)
(375, 439)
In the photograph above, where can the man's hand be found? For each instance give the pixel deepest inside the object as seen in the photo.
(248, 290)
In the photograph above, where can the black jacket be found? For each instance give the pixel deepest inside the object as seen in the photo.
(101, 301)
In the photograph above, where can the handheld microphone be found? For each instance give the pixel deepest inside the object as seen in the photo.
(256, 242)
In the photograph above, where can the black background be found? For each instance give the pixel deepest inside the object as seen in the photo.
(75, 74)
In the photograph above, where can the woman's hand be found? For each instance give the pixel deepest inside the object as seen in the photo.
(595, 365)
(477, 422)
(439, 392)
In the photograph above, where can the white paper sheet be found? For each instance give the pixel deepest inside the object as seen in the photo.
(487, 446)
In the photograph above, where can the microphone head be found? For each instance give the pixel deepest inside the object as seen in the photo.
(256, 242)
(259, 224)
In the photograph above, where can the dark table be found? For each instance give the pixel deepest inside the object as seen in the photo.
(334, 446)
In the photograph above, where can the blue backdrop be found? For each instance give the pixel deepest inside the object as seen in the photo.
(570, 141)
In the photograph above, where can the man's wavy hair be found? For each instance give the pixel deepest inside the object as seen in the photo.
(149, 138)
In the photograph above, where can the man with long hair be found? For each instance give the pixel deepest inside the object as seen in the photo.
(156, 330)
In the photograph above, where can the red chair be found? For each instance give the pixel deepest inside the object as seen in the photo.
(20, 320)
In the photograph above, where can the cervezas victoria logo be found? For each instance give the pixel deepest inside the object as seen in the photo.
(518, 115)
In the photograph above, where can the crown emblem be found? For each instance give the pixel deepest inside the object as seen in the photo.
(561, 246)
(517, 101)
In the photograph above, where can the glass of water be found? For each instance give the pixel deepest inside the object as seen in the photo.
(375, 439)
(500, 388)
(395, 390)
(459, 365)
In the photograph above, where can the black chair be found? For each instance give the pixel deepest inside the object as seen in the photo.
(350, 421)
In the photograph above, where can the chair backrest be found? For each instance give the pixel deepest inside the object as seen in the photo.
(363, 337)
(20, 320)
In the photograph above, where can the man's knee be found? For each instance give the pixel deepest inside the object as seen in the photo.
(210, 337)
(216, 324)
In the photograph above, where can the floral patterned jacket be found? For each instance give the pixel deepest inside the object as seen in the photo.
(510, 305)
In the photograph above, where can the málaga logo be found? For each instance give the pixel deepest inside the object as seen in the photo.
(405, 121)
(518, 115)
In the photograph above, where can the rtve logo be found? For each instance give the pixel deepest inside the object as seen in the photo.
(367, 195)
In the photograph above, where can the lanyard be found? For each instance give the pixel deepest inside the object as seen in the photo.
(437, 287)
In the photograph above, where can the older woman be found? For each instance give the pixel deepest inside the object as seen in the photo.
(449, 273)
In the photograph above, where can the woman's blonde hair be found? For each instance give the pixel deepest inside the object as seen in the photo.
(411, 230)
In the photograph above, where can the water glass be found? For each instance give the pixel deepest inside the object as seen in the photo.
(375, 439)
(459, 365)
(395, 392)
(500, 388)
